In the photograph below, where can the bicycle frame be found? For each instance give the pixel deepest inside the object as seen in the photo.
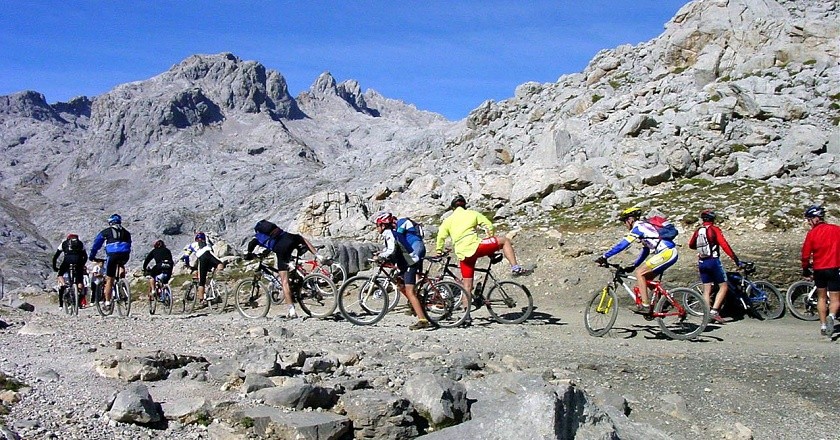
(656, 291)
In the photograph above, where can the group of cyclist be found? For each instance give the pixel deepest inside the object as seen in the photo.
(820, 258)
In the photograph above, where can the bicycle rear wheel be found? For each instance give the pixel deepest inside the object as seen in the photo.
(123, 298)
(686, 317)
(101, 307)
(363, 300)
(71, 300)
(153, 300)
(509, 302)
(253, 299)
(166, 299)
(317, 295)
(339, 274)
(771, 307)
(215, 296)
(801, 299)
(441, 302)
(188, 298)
(64, 297)
(601, 312)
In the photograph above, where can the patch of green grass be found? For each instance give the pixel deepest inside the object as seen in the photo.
(835, 97)
(739, 148)
(715, 98)
(10, 384)
(726, 78)
(614, 84)
(810, 62)
(247, 422)
(834, 106)
(204, 419)
(679, 70)
(696, 182)
(596, 98)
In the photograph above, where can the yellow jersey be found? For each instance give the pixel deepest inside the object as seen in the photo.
(460, 227)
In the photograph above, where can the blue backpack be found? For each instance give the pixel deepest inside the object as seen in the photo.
(665, 229)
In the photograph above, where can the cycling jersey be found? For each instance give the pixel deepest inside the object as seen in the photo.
(460, 226)
(408, 235)
(199, 248)
(716, 241)
(74, 253)
(162, 258)
(822, 244)
(646, 234)
(117, 240)
(396, 252)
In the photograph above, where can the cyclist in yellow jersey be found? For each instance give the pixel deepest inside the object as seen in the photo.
(460, 227)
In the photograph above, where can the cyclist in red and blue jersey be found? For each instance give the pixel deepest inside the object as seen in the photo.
(405, 248)
(821, 261)
(117, 241)
(657, 254)
(708, 240)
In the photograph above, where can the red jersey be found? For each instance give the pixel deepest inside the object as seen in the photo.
(822, 245)
(716, 240)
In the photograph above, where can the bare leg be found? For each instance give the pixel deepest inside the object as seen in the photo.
(822, 307)
(723, 289)
(507, 249)
(287, 290)
(414, 301)
(707, 293)
(642, 272)
(109, 282)
(834, 299)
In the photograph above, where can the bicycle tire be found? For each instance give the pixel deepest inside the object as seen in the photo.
(338, 273)
(800, 302)
(601, 312)
(771, 308)
(688, 325)
(441, 302)
(123, 298)
(393, 292)
(76, 300)
(166, 298)
(316, 295)
(212, 297)
(509, 302)
(71, 300)
(64, 297)
(222, 297)
(100, 304)
(253, 300)
(362, 300)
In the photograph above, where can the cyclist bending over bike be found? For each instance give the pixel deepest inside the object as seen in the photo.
(821, 261)
(460, 227)
(162, 270)
(117, 241)
(206, 261)
(406, 250)
(647, 266)
(282, 243)
(74, 253)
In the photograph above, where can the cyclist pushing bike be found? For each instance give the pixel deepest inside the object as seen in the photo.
(162, 270)
(74, 254)
(282, 243)
(658, 252)
(406, 249)
(117, 241)
(206, 261)
(460, 227)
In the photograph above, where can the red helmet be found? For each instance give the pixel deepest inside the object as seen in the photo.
(72, 237)
(159, 244)
(708, 215)
(384, 218)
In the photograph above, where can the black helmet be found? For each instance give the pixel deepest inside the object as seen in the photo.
(815, 211)
(707, 215)
(459, 200)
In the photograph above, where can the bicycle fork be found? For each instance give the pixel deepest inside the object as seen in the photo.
(606, 302)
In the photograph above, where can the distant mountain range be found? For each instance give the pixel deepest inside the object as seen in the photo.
(738, 89)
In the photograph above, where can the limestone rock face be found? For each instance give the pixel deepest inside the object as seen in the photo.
(738, 89)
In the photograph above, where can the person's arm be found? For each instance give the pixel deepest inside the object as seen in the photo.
(390, 244)
(148, 258)
(692, 242)
(721, 241)
(97, 244)
(440, 241)
(309, 246)
(807, 249)
(642, 256)
(55, 258)
(485, 224)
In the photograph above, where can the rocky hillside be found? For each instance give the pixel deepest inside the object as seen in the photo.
(744, 93)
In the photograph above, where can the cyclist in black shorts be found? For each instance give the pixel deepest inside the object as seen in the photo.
(206, 261)
(282, 243)
(162, 270)
(117, 241)
(74, 253)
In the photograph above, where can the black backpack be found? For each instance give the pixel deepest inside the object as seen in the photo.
(268, 228)
(73, 246)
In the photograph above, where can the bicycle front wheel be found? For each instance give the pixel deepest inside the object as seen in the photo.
(123, 298)
(363, 300)
(339, 274)
(65, 299)
(317, 295)
(509, 302)
(216, 296)
(442, 302)
(252, 299)
(601, 312)
(772, 306)
(684, 318)
(801, 300)
(188, 298)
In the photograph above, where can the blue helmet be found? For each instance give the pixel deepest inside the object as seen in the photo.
(200, 237)
(815, 211)
(115, 219)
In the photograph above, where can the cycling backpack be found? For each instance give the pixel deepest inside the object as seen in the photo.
(73, 246)
(268, 228)
(665, 229)
(704, 247)
(414, 227)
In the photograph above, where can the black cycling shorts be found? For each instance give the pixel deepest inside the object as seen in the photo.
(113, 261)
(79, 273)
(206, 263)
(828, 279)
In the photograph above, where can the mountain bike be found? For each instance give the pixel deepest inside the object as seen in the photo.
(315, 292)
(120, 295)
(70, 295)
(759, 299)
(327, 267)
(508, 302)
(441, 296)
(801, 300)
(681, 313)
(161, 294)
(215, 294)
(364, 299)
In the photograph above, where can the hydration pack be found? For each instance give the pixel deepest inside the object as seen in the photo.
(415, 229)
(664, 229)
(704, 247)
(268, 228)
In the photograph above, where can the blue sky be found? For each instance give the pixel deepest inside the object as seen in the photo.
(445, 57)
